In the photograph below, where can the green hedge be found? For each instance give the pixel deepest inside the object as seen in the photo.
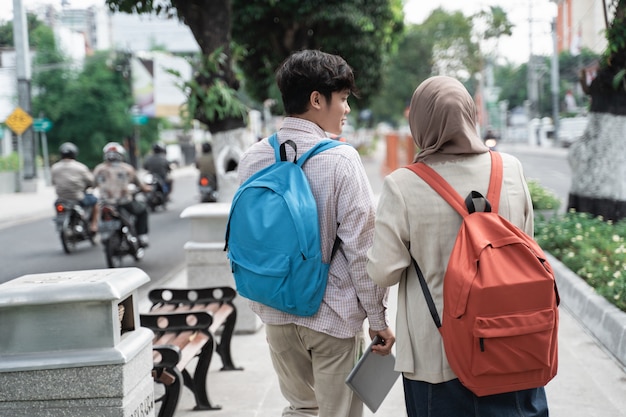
(591, 247)
(10, 163)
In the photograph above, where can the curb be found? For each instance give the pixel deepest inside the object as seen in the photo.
(605, 322)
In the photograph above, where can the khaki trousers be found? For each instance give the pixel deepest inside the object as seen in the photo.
(312, 368)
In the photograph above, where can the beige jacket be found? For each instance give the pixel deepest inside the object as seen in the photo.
(413, 220)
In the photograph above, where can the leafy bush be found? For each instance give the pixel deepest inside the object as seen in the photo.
(542, 198)
(592, 248)
(10, 163)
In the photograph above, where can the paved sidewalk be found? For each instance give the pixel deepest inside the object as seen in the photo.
(590, 381)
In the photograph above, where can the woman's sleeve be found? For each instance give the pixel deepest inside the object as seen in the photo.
(389, 257)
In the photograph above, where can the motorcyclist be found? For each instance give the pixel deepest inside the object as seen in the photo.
(71, 179)
(158, 165)
(206, 164)
(113, 177)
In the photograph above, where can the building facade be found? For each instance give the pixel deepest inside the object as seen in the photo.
(580, 24)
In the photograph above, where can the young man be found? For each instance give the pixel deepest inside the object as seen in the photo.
(312, 356)
(113, 176)
(206, 164)
(71, 178)
(157, 164)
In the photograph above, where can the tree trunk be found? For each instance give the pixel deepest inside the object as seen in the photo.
(598, 162)
(210, 23)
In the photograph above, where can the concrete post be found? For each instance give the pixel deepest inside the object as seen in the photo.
(207, 263)
(533, 125)
(72, 346)
(409, 148)
(391, 161)
(545, 127)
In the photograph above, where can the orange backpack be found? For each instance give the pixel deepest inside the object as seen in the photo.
(500, 301)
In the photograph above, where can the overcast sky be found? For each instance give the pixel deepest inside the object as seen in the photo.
(520, 12)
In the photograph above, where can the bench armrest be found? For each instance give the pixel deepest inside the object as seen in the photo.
(168, 356)
(192, 296)
(176, 322)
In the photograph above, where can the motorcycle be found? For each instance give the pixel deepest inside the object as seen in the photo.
(157, 197)
(72, 224)
(208, 192)
(118, 235)
(491, 143)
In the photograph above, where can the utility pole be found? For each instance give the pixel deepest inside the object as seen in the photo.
(532, 75)
(555, 83)
(23, 73)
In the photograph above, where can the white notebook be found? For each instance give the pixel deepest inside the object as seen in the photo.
(373, 377)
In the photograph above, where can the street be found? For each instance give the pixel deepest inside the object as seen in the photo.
(547, 165)
(34, 247)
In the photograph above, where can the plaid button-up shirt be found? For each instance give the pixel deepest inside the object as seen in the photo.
(344, 197)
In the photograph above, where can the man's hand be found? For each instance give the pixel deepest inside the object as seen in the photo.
(387, 340)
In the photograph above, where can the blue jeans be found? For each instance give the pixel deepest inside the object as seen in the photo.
(452, 399)
(89, 200)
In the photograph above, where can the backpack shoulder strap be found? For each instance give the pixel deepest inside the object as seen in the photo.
(281, 155)
(495, 181)
(319, 147)
(441, 186)
(279, 148)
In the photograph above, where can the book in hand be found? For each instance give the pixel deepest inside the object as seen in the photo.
(373, 377)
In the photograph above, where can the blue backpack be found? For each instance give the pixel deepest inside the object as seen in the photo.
(273, 235)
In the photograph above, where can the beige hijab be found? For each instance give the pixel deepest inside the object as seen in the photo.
(443, 121)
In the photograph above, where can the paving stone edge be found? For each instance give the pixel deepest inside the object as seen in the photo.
(602, 319)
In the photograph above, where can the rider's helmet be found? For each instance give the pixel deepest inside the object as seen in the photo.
(206, 147)
(68, 150)
(158, 148)
(113, 151)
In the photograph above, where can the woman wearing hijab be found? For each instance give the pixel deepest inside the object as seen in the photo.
(412, 220)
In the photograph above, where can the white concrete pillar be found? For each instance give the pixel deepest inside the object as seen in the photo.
(207, 263)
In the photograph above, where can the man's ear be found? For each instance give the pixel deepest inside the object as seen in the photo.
(315, 100)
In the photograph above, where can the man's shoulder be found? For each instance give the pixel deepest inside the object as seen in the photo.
(100, 166)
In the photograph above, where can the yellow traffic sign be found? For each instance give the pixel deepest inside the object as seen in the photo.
(18, 121)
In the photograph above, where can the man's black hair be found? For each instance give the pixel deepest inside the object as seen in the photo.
(307, 71)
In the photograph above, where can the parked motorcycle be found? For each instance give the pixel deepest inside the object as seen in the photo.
(118, 235)
(158, 196)
(208, 189)
(72, 224)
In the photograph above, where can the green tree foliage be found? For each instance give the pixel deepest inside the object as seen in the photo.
(446, 43)
(411, 65)
(210, 23)
(362, 32)
(513, 80)
(455, 52)
(496, 23)
(6, 30)
(608, 89)
(50, 73)
(89, 108)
